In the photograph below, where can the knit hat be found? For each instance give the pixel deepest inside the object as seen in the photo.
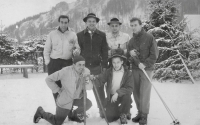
(78, 58)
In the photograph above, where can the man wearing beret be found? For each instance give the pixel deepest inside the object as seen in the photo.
(94, 49)
(116, 38)
(143, 53)
(70, 94)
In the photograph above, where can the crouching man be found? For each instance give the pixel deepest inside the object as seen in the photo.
(71, 94)
(119, 87)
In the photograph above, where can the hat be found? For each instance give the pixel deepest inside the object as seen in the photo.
(78, 58)
(114, 20)
(91, 15)
(117, 53)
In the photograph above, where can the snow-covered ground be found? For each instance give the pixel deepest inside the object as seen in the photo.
(20, 97)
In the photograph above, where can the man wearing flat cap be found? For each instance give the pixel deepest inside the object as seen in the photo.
(116, 38)
(70, 94)
(94, 49)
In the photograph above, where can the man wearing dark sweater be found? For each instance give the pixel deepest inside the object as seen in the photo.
(142, 53)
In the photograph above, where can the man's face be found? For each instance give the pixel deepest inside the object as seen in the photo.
(136, 27)
(79, 66)
(91, 23)
(117, 63)
(63, 24)
(114, 27)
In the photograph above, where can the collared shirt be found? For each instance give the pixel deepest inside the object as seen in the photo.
(60, 45)
(114, 41)
(116, 81)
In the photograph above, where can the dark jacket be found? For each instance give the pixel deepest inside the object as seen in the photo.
(94, 49)
(146, 47)
(127, 82)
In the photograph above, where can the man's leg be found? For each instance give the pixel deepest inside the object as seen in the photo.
(145, 92)
(58, 118)
(112, 111)
(136, 92)
(136, 89)
(125, 107)
(78, 114)
(79, 103)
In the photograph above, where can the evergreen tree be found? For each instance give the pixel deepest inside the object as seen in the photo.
(170, 37)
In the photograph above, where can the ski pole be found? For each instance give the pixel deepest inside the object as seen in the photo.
(100, 103)
(186, 67)
(175, 121)
(84, 102)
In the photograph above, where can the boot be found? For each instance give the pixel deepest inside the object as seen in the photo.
(143, 119)
(137, 118)
(78, 117)
(38, 114)
(128, 116)
(101, 114)
(123, 119)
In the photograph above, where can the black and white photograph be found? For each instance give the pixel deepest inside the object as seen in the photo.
(100, 62)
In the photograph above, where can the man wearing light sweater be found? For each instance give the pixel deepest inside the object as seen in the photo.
(71, 94)
(61, 44)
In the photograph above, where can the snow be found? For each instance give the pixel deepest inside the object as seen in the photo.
(20, 98)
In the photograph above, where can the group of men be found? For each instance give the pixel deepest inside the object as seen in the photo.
(102, 58)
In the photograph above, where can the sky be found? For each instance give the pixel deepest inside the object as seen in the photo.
(12, 11)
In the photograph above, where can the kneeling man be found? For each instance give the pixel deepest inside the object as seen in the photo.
(119, 87)
(71, 94)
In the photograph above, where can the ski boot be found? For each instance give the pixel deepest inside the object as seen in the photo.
(137, 118)
(143, 119)
(128, 116)
(38, 114)
(123, 119)
(77, 117)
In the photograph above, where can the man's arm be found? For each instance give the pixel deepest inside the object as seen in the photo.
(76, 45)
(104, 52)
(101, 79)
(51, 79)
(151, 60)
(47, 50)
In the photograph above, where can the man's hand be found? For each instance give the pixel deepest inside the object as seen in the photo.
(103, 69)
(76, 52)
(92, 77)
(133, 53)
(46, 62)
(141, 66)
(114, 97)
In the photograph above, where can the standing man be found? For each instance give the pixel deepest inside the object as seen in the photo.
(71, 94)
(115, 37)
(143, 53)
(94, 49)
(61, 44)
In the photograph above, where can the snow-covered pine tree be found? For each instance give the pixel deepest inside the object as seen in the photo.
(8, 53)
(171, 36)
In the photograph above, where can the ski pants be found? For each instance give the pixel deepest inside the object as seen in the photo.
(142, 90)
(56, 65)
(61, 113)
(121, 106)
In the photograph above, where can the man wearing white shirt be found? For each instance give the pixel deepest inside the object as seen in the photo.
(115, 37)
(60, 45)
